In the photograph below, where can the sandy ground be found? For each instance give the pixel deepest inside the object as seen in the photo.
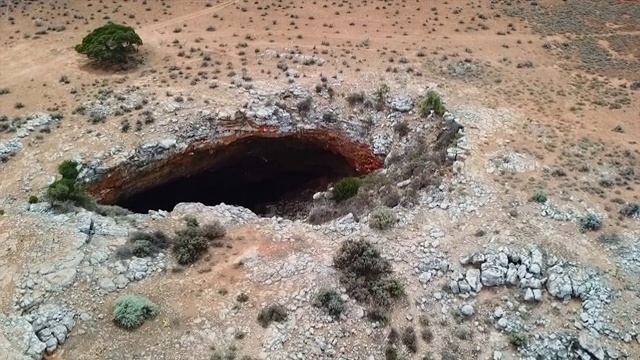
(472, 51)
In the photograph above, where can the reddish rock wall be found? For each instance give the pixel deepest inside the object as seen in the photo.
(126, 180)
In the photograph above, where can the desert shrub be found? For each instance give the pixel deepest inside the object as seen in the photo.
(110, 43)
(330, 301)
(191, 221)
(427, 335)
(131, 311)
(518, 340)
(304, 106)
(609, 238)
(188, 249)
(346, 188)
(381, 96)
(271, 313)
(378, 314)
(213, 230)
(142, 244)
(4, 91)
(191, 242)
(67, 190)
(630, 210)
(111, 210)
(409, 339)
(242, 298)
(432, 101)
(366, 275)
(382, 218)
(320, 214)
(355, 98)
(591, 222)
(391, 352)
(539, 197)
(33, 199)
(402, 129)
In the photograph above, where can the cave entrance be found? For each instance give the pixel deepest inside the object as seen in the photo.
(270, 176)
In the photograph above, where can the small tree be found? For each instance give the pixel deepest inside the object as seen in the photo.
(110, 43)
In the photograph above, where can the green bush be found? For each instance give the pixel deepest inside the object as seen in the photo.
(330, 301)
(432, 101)
(591, 222)
(191, 242)
(271, 313)
(539, 197)
(242, 298)
(110, 43)
(33, 199)
(365, 274)
(346, 188)
(382, 218)
(131, 311)
(67, 189)
(69, 170)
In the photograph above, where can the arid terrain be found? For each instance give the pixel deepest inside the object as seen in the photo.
(511, 221)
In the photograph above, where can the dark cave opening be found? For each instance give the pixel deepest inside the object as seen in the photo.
(270, 176)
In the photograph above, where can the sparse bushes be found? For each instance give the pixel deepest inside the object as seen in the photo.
(630, 210)
(271, 313)
(591, 222)
(432, 101)
(539, 197)
(33, 199)
(346, 188)
(382, 218)
(4, 91)
(131, 311)
(330, 301)
(194, 240)
(366, 275)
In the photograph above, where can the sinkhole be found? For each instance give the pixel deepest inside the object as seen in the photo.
(268, 175)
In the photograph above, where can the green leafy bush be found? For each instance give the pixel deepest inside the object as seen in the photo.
(67, 189)
(271, 313)
(131, 311)
(539, 197)
(346, 188)
(110, 43)
(330, 301)
(366, 275)
(69, 169)
(33, 199)
(432, 101)
(382, 218)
